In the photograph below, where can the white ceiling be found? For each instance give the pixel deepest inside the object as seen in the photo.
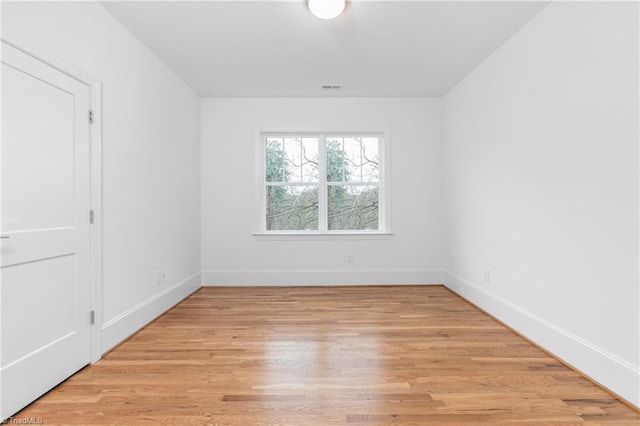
(277, 48)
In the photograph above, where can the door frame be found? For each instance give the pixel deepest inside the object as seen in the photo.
(95, 175)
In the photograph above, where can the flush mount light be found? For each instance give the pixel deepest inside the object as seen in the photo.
(326, 9)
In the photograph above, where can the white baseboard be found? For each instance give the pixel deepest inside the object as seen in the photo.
(119, 328)
(619, 376)
(303, 277)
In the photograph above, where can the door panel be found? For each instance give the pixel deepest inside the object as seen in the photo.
(45, 276)
(57, 276)
(42, 162)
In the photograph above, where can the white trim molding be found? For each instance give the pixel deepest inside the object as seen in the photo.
(608, 370)
(308, 277)
(127, 323)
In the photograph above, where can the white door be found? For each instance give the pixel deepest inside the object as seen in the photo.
(45, 246)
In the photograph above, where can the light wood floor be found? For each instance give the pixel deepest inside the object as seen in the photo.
(327, 356)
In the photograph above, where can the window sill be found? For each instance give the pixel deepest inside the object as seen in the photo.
(317, 236)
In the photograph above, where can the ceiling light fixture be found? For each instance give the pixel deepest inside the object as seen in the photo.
(326, 9)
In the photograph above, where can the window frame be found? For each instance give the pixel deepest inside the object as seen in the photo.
(383, 184)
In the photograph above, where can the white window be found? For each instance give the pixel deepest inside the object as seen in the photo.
(323, 183)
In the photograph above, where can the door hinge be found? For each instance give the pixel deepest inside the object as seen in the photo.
(90, 117)
(92, 317)
(92, 216)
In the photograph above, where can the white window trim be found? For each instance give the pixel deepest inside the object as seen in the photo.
(384, 190)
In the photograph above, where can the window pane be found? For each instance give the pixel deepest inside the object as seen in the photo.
(292, 208)
(300, 159)
(336, 162)
(370, 159)
(274, 167)
(353, 207)
(352, 159)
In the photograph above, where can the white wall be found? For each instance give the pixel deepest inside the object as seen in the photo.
(150, 158)
(541, 186)
(232, 255)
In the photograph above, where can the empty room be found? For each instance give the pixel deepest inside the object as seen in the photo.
(320, 212)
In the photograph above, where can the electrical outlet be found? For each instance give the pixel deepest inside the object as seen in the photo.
(349, 258)
(487, 275)
(161, 277)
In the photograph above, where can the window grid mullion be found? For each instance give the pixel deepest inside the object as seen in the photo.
(377, 183)
(323, 210)
(312, 183)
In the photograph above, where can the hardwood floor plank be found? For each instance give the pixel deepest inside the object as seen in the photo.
(404, 355)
